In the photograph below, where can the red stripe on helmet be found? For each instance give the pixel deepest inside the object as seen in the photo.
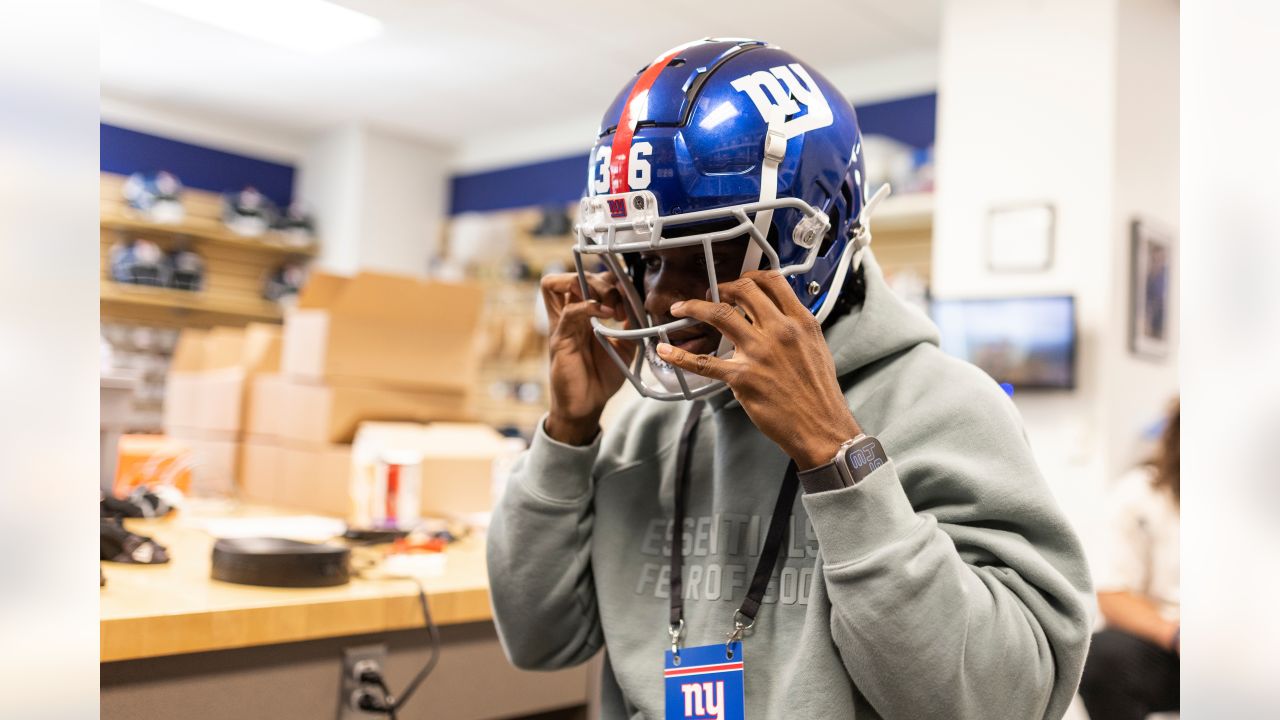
(620, 152)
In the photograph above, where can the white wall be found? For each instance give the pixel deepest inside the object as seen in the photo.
(279, 145)
(1037, 104)
(380, 200)
(887, 78)
(405, 200)
(1146, 187)
(328, 183)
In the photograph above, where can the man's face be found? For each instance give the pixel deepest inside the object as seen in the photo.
(681, 274)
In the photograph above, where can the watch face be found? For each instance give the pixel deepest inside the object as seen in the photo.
(865, 457)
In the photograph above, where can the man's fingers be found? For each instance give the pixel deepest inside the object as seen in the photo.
(722, 316)
(704, 365)
(567, 283)
(576, 317)
(746, 293)
(563, 288)
(778, 290)
(575, 320)
(561, 284)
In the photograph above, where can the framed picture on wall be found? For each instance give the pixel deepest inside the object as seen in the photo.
(1151, 263)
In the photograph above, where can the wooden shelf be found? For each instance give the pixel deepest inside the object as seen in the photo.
(180, 307)
(207, 232)
(235, 267)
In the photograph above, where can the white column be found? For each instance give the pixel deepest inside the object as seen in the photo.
(329, 185)
(379, 200)
(1071, 103)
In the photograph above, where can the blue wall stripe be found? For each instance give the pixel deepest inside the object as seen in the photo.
(127, 151)
(912, 120)
(549, 182)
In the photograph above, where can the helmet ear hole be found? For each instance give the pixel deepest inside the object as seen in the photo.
(830, 238)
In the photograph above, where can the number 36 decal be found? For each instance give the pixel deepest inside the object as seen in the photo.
(638, 169)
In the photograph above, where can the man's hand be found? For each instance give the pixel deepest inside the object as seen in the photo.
(781, 370)
(583, 376)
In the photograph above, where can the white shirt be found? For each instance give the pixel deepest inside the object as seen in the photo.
(1139, 552)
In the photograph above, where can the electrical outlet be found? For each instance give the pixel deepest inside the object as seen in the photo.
(355, 659)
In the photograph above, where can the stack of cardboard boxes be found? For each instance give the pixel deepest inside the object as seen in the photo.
(372, 347)
(269, 414)
(207, 396)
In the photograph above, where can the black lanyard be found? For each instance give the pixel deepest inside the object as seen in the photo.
(745, 616)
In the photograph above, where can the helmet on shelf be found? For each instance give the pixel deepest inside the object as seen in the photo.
(138, 262)
(157, 195)
(186, 269)
(247, 212)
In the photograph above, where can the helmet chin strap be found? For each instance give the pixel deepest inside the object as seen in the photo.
(775, 150)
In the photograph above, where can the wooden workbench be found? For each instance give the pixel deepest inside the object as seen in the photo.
(173, 637)
(153, 610)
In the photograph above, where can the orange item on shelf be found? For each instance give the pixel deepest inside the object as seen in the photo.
(151, 460)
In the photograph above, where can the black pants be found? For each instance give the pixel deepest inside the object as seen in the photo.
(1126, 678)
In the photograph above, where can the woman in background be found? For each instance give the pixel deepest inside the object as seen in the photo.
(1133, 664)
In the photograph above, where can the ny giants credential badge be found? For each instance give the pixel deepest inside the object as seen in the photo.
(706, 684)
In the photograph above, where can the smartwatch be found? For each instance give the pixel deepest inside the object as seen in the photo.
(856, 459)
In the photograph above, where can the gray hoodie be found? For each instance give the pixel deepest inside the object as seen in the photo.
(947, 584)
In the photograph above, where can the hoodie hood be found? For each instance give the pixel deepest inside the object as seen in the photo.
(881, 326)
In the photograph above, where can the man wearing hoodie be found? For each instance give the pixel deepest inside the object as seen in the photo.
(814, 512)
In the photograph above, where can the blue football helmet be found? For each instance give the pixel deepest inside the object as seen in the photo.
(738, 135)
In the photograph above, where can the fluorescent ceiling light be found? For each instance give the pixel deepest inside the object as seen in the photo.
(305, 25)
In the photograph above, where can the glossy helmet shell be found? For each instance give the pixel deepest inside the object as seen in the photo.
(703, 120)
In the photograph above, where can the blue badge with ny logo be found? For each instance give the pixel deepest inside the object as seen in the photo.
(705, 683)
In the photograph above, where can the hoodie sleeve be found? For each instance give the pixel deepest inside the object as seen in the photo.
(539, 557)
(958, 589)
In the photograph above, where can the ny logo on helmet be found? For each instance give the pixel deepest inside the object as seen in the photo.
(787, 87)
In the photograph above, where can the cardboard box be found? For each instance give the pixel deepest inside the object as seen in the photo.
(260, 469)
(188, 353)
(457, 468)
(314, 478)
(207, 384)
(321, 413)
(387, 329)
(210, 401)
(215, 461)
(254, 348)
(457, 463)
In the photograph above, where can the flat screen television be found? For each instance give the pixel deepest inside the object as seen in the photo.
(1028, 342)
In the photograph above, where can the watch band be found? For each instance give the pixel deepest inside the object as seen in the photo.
(822, 478)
